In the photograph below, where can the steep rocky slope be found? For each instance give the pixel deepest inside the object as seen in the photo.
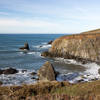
(79, 46)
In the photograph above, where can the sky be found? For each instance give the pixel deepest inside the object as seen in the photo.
(49, 16)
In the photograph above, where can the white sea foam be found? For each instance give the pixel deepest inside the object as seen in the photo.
(67, 61)
(43, 46)
(31, 53)
(44, 43)
(91, 72)
(17, 79)
(34, 53)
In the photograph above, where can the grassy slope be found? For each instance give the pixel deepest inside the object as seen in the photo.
(88, 34)
(51, 89)
(92, 31)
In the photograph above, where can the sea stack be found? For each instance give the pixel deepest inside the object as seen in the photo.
(26, 47)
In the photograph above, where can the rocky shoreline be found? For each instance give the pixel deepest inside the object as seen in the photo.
(84, 48)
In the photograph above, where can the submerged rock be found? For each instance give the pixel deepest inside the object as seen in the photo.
(26, 47)
(8, 71)
(46, 54)
(46, 72)
(24, 70)
(33, 73)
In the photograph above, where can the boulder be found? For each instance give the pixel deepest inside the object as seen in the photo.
(9, 71)
(46, 72)
(26, 47)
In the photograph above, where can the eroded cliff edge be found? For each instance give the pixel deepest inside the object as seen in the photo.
(79, 46)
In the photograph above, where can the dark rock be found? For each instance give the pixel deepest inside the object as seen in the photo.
(46, 54)
(24, 70)
(50, 42)
(1, 83)
(94, 79)
(33, 73)
(1, 71)
(81, 80)
(99, 71)
(57, 73)
(10, 71)
(26, 47)
(46, 72)
(35, 78)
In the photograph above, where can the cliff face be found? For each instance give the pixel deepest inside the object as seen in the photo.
(85, 46)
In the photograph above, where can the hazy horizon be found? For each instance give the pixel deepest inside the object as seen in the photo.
(48, 16)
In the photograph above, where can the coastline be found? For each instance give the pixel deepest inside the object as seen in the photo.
(84, 87)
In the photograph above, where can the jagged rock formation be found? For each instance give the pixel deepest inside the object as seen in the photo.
(79, 46)
(26, 47)
(46, 72)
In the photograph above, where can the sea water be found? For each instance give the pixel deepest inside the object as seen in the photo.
(11, 56)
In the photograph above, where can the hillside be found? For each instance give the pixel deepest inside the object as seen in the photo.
(52, 91)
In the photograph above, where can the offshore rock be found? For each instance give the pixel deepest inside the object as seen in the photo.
(81, 47)
(8, 71)
(26, 47)
(46, 72)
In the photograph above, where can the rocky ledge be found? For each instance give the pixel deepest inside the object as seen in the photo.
(82, 47)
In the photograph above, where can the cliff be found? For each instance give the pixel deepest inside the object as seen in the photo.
(79, 46)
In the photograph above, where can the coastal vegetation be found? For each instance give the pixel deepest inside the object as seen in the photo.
(52, 91)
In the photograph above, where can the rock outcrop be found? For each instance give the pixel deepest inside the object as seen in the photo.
(26, 47)
(83, 47)
(46, 72)
(50, 42)
(8, 71)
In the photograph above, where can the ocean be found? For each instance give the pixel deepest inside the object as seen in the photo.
(31, 61)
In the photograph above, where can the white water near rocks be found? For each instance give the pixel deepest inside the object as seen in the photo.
(23, 77)
(90, 74)
(69, 69)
